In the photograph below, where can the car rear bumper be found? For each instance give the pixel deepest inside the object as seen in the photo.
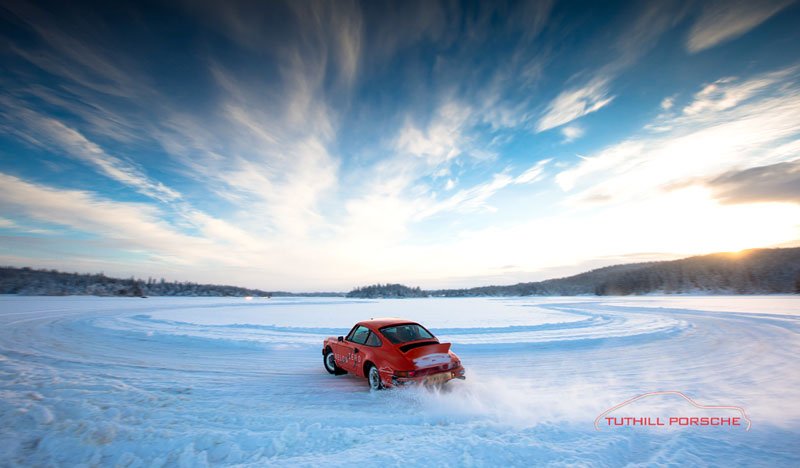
(438, 378)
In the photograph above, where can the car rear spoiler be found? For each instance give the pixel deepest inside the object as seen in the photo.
(432, 348)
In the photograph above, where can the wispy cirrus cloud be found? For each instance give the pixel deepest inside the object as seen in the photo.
(140, 226)
(395, 191)
(51, 133)
(137, 224)
(476, 198)
(636, 33)
(440, 141)
(147, 240)
(730, 123)
(278, 162)
(269, 150)
(721, 21)
(729, 92)
(575, 103)
(79, 60)
(12, 225)
(79, 147)
(274, 159)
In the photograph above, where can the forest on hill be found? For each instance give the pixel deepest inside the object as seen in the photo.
(755, 271)
(31, 282)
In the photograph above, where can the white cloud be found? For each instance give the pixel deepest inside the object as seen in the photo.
(642, 30)
(533, 174)
(572, 133)
(55, 135)
(575, 103)
(722, 21)
(216, 250)
(729, 124)
(728, 92)
(616, 158)
(6, 223)
(396, 196)
(79, 147)
(441, 140)
(379, 217)
(272, 162)
(138, 225)
(347, 26)
(393, 193)
(476, 197)
(667, 103)
(10, 224)
(321, 34)
(471, 199)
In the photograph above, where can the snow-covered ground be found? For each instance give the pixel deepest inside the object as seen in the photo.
(196, 381)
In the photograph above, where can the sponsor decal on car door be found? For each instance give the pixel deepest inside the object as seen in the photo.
(355, 342)
(353, 355)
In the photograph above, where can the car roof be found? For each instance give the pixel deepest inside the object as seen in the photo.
(385, 322)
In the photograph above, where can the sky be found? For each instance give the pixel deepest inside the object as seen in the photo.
(320, 146)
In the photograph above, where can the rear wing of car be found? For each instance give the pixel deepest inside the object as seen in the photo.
(425, 349)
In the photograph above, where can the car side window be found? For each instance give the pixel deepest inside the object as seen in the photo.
(359, 335)
(373, 340)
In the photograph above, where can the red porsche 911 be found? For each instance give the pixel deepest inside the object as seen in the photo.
(391, 352)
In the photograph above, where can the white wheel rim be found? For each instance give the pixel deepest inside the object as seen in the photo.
(329, 363)
(374, 378)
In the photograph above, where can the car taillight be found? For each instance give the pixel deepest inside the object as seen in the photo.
(404, 373)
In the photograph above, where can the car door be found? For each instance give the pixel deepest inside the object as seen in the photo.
(343, 351)
(354, 344)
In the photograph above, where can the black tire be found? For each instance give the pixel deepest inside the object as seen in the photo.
(374, 378)
(328, 360)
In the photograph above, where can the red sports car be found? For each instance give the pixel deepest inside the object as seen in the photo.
(391, 351)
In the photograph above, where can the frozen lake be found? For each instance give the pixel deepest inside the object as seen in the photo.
(210, 381)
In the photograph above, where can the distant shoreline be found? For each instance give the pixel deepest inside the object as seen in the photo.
(343, 296)
(749, 272)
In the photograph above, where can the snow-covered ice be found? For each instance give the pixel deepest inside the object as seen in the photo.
(210, 381)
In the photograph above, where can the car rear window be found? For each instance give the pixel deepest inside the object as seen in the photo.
(405, 333)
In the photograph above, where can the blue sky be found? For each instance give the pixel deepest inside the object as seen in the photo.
(326, 145)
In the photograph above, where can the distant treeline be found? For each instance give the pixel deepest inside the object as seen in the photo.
(756, 271)
(386, 291)
(30, 282)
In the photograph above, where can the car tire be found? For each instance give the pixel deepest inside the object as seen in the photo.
(329, 361)
(374, 378)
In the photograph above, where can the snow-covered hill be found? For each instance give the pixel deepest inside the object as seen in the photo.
(196, 381)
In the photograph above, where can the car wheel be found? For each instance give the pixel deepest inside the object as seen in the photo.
(374, 378)
(329, 359)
